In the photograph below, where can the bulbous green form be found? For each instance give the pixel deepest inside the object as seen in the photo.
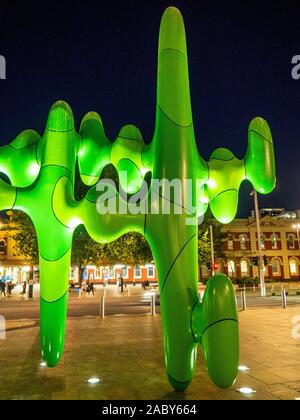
(41, 171)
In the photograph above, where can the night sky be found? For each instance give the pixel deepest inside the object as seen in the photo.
(102, 56)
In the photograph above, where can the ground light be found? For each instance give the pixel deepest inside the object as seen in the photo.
(43, 364)
(243, 368)
(93, 380)
(246, 390)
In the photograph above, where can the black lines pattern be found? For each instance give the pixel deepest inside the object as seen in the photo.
(176, 258)
(262, 136)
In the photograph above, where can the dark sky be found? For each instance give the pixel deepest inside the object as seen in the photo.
(102, 56)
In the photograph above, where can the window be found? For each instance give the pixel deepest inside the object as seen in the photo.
(231, 268)
(137, 272)
(291, 241)
(293, 267)
(274, 241)
(262, 241)
(124, 271)
(150, 270)
(244, 268)
(98, 273)
(2, 247)
(72, 271)
(276, 270)
(243, 242)
(111, 273)
(230, 242)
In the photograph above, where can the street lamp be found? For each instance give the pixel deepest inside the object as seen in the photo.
(212, 250)
(260, 257)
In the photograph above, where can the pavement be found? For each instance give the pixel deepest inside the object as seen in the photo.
(125, 351)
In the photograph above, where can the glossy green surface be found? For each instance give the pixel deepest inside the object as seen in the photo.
(41, 171)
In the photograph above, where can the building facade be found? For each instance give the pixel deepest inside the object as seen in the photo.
(279, 238)
(280, 245)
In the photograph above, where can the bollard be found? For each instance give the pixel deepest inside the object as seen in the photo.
(283, 298)
(102, 306)
(243, 299)
(152, 302)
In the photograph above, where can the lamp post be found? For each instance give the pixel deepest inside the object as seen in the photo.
(260, 257)
(212, 250)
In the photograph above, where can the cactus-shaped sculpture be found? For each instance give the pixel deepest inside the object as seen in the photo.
(41, 171)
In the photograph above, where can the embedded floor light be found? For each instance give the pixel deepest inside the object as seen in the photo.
(93, 380)
(43, 364)
(246, 390)
(243, 368)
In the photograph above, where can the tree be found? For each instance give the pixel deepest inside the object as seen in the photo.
(25, 236)
(204, 243)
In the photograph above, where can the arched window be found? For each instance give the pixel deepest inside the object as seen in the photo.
(274, 241)
(291, 241)
(243, 241)
(276, 267)
(293, 266)
(244, 268)
(231, 268)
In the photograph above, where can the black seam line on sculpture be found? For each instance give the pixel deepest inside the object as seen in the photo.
(179, 382)
(172, 49)
(22, 148)
(131, 139)
(262, 136)
(56, 259)
(36, 156)
(174, 261)
(60, 131)
(55, 301)
(63, 176)
(217, 322)
(170, 119)
(58, 166)
(229, 189)
(15, 199)
(131, 162)
(89, 175)
(95, 202)
(222, 160)
(173, 202)
(191, 322)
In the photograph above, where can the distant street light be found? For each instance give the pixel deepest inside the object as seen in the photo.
(260, 257)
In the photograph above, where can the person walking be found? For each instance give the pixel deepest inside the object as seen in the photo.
(3, 286)
(24, 289)
(91, 287)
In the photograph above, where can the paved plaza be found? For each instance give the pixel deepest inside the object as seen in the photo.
(125, 351)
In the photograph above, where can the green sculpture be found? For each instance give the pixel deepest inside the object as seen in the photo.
(41, 171)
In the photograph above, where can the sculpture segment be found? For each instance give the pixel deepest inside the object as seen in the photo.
(42, 171)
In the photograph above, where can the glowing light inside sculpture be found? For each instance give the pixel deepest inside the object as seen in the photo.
(41, 171)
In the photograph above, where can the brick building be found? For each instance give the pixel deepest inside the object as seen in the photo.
(280, 244)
